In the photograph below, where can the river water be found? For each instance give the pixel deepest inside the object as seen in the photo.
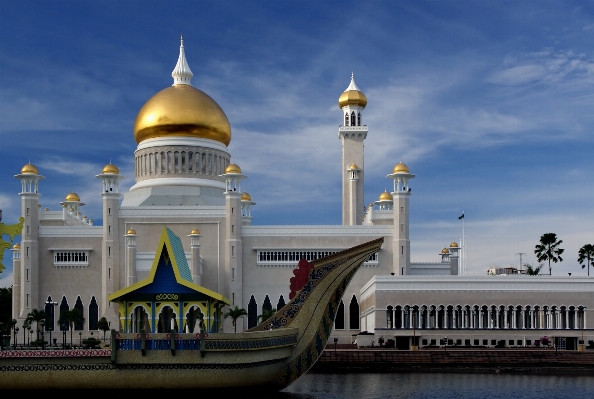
(437, 385)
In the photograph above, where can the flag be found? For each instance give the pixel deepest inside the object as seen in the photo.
(461, 217)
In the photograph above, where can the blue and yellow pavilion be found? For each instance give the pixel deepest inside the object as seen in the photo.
(168, 299)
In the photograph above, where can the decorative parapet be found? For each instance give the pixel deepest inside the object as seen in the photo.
(71, 231)
(319, 230)
(37, 353)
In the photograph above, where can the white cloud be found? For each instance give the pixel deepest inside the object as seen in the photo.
(5, 280)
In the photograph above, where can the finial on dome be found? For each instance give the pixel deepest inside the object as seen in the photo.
(182, 75)
(352, 85)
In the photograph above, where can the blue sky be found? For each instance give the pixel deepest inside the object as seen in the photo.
(488, 102)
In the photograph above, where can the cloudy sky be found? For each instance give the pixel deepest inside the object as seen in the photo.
(489, 103)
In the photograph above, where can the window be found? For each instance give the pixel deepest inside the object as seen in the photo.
(27, 274)
(233, 251)
(233, 298)
(467, 342)
(27, 213)
(71, 258)
(485, 342)
(109, 211)
(359, 119)
(93, 314)
(339, 320)
(346, 119)
(27, 252)
(109, 252)
(353, 120)
(252, 313)
(78, 325)
(476, 342)
(108, 229)
(424, 342)
(232, 229)
(402, 250)
(511, 342)
(232, 211)
(354, 314)
(519, 342)
(232, 273)
(27, 300)
(109, 273)
(493, 342)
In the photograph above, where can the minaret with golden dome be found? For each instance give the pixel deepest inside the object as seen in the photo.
(29, 271)
(352, 133)
(182, 136)
(401, 177)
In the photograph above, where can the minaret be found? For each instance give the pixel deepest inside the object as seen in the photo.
(231, 284)
(16, 285)
(352, 102)
(29, 275)
(130, 257)
(195, 260)
(401, 239)
(454, 258)
(110, 258)
(246, 208)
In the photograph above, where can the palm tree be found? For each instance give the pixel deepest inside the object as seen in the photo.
(71, 317)
(533, 271)
(266, 314)
(586, 253)
(36, 316)
(103, 325)
(235, 314)
(548, 249)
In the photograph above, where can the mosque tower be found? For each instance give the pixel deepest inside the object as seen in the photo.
(182, 137)
(29, 271)
(401, 238)
(352, 102)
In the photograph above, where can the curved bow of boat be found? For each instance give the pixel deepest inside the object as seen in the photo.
(313, 309)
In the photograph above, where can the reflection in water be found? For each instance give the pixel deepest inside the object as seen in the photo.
(408, 386)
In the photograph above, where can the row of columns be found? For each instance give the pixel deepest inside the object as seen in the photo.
(474, 318)
(171, 162)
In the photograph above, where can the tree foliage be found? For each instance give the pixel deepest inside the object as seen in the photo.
(235, 314)
(586, 253)
(266, 314)
(71, 317)
(548, 249)
(533, 271)
(103, 325)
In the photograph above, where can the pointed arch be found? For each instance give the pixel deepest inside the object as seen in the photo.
(266, 305)
(358, 118)
(281, 303)
(353, 119)
(81, 309)
(354, 314)
(64, 307)
(346, 118)
(252, 313)
(93, 314)
(339, 321)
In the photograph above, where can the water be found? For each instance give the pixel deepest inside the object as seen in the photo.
(435, 385)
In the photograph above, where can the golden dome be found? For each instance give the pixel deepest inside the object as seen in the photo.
(194, 232)
(110, 169)
(131, 232)
(353, 167)
(386, 196)
(46, 209)
(72, 197)
(352, 97)
(232, 168)
(16, 246)
(445, 251)
(182, 110)
(400, 168)
(29, 169)
(246, 197)
(71, 209)
(454, 245)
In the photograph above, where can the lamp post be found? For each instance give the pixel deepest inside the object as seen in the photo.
(14, 322)
(25, 325)
(52, 322)
(42, 335)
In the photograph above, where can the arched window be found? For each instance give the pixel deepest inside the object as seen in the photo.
(266, 305)
(398, 317)
(359, 119)
(63, 308)
(252, 313)
(390, 317)
(93, 314)
(346, 119)
(281, 303)
(339, 321)
(354, 314)
(81, 309)
(49, 311)
(353, 119)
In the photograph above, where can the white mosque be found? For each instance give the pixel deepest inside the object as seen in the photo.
(186, 182)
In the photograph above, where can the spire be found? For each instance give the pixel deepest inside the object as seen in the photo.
(182, 75)
(352, 86)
